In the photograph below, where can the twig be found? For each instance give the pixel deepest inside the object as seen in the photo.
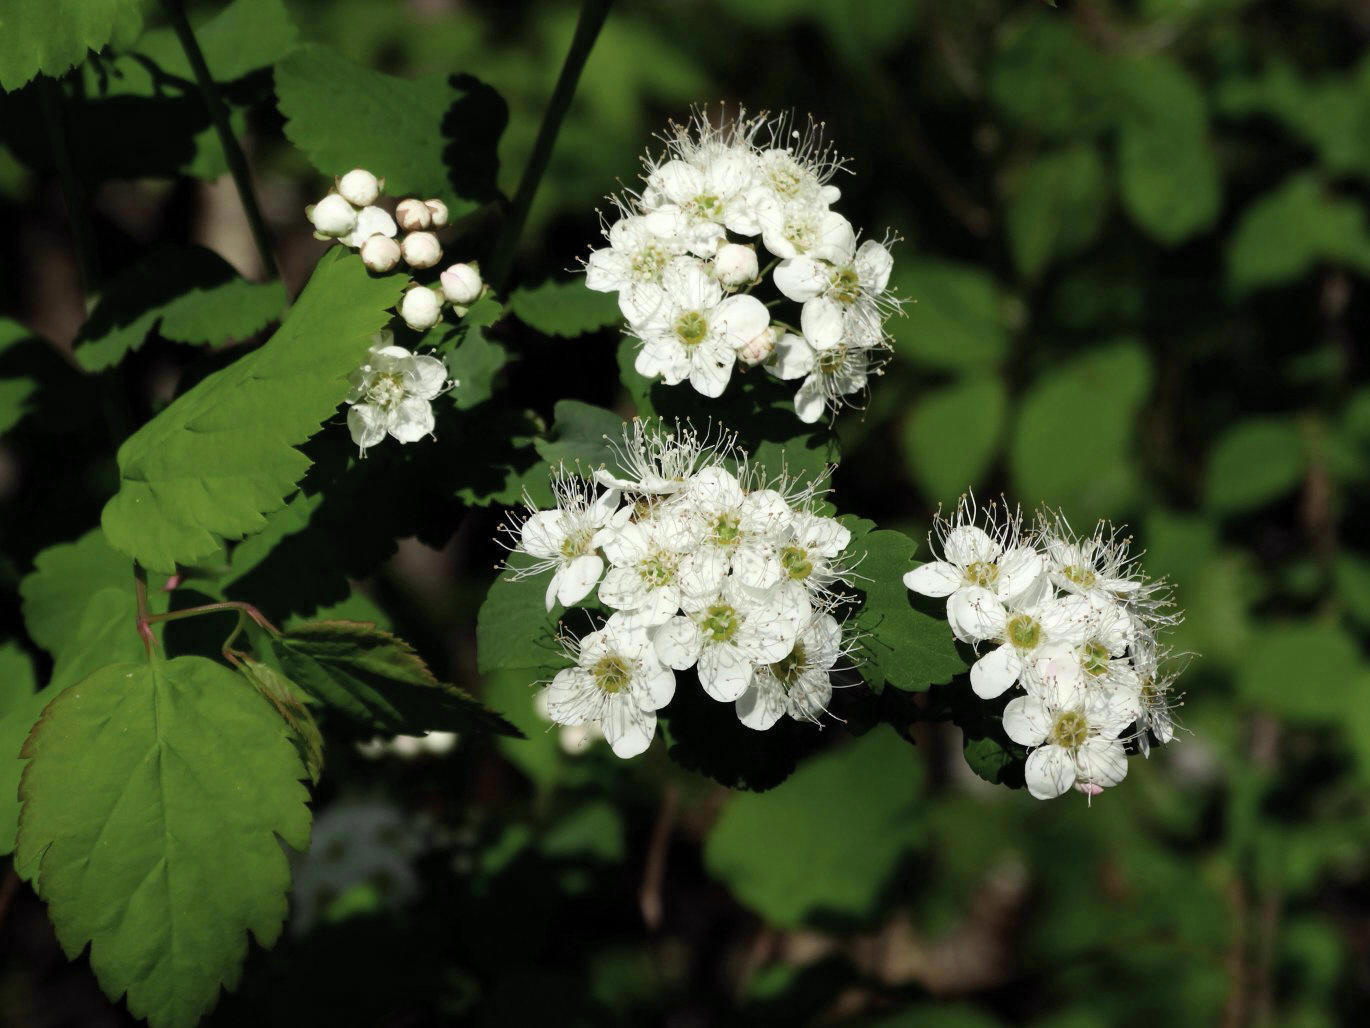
(592, 15)
(50, 99)
(218, 113)
(654, 871)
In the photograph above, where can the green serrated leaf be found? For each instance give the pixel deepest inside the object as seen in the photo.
(189, 294)
(901, 646)
(566, 309)
(581, 436)
(1252, 463)
(222, 455)
(15, 388)
(154, 800)
(1167, 170)
(972, 412)
(1072, 446)
(826, 840)
(49, 36)
(1056, 208)
(473, 359)
(428, 137)
(15, 726)
(243, 37)
(514, 631)
(377, 680)
(289, 702)
(16, 677)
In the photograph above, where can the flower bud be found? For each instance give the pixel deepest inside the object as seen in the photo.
(759, 347)
(461, 283)
(438, 210)
(370, 221)
(359, 187)
(421, 249)
(332, 216)
(414, 215)
(380, 253)
(735, 265)
(420, 308)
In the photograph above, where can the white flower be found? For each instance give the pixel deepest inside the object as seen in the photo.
(688, 330)
(729, 632)
(421, 249)
(1074, 731)
(657, 462)
(371, 221)
(646, 578)
(852, 287)
(981, 573)
(392, 393)
(566, 539)
(1101, 567)
(835, 359)
(735, 265)
(731, 529)
(414, 215)
(640, 247)
(617, 684)
(380, 254)
(461, 284)
(332, 216)
(809, 229)
(437, 210)
(420, 308)
(1022, 633)
(808, 562)
(798, 166)
(798, 684)
(711, 198)
(359, 187)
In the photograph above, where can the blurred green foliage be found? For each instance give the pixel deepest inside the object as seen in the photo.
(1135, 254)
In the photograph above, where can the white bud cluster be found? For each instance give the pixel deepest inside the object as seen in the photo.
(707, 564)
(393, 391)
(683, 258)
(1071, 621)
(352, 215)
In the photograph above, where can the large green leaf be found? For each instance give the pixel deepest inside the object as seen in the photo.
(900, 645)
(826, 840)
(377, 680)
(514, 630)
(154, 802)
(1049, 80)
(581, 436)
(189, 294)
(1167, 172)
(954, 317)
(1254, 462)
(243, 37)
(49, 36)
(429, 137)
(19, 709)
(222, 455)
(565, 308)
(1056, 207)
(1290, 229)
(971, 413)
(1073, 443)
(1304, 671)
(473, 358)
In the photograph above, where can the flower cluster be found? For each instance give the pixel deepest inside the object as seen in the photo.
(1070, 620)
(352, 215)
(392, 393)
(682, 256)
(704, 563)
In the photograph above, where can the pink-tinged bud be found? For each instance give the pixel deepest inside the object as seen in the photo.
(1089, 789)
(759, 347)
(421, 249)
(438, 210)
(735, 265)
(414, 215)
(359, 187)
(461, 284)
(380, 254)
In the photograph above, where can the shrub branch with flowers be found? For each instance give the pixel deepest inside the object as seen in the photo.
(694, 564)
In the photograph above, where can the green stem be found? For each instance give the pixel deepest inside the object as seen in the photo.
(218, 113)
(83, 239)
(212, 608)
(592, 15)
(143, 625)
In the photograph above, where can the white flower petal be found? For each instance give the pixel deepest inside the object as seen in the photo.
(628, 729)
(996, 672)
(1049, 772)
(975, 614)
(411, 420)
(577, 579)
(969, 544)
(792, 358)
(724, 672)
(802, 278)
(1027, 720)
(822, 323)
(677, 643)
(937, 578)
(762, 705)
(1101, 762)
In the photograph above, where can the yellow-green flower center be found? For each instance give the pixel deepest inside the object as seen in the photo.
(720, 623)
(1084, 577)
(646, 263)
(846, 286)
(830, 361)
(578, 543)
(1023, 632)
(691, 328)
(1070, 730)
(982, 572)
(788, 668)
(611, 673)
(385, 390)
(1094, 658)
(658, 569)
(794, 561)
(726, 530)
